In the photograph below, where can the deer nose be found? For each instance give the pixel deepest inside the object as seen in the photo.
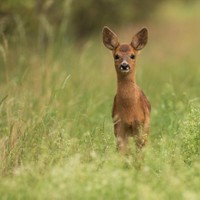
(124, 66)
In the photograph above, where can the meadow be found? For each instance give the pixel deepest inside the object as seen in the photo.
(56, 131)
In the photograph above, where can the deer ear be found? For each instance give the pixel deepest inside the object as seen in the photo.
(140, 39)
(110, 39)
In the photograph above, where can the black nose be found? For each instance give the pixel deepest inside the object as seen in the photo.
(124, 66)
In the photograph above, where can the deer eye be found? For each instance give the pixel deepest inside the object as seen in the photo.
(116, 57)
(132, 56)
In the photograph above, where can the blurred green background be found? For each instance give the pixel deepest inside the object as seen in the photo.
(79, 18)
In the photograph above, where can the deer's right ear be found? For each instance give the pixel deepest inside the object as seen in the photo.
(110, 39)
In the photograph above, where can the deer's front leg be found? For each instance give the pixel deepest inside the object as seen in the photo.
(121, 138)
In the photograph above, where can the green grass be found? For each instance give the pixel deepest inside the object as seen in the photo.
(56, 134)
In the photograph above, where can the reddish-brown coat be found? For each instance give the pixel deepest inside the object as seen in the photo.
(131, 108)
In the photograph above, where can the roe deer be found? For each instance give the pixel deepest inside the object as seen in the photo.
(131, 108)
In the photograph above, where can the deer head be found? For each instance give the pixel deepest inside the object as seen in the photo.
(124, 54)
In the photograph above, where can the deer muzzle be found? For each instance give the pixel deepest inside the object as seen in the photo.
(124, 67)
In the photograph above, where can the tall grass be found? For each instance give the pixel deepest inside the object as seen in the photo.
(56, 130)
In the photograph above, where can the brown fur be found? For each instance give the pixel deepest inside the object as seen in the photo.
(131, 108)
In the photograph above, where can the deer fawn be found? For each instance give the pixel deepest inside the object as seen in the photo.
(131, 108)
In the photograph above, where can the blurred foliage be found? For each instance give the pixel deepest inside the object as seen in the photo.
(34, 18)
(47, 19)
(189, 131)
(89, 16)
(83, 17)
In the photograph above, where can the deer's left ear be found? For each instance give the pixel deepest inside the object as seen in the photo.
(140, 39)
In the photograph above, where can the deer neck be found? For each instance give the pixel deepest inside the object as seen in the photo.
(126, 87)
(127, 98)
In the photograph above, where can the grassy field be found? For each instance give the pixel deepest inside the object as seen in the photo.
(56, 132)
